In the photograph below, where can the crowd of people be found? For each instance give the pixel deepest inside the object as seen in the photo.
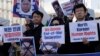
(81, 14)
(34, 28)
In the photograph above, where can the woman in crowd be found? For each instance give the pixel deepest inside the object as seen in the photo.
(56, 21)
(54, 45)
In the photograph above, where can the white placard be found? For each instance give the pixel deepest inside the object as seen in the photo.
(1, 32)
(83, 29)
(53, 34)
(12, 33)
(67, 8)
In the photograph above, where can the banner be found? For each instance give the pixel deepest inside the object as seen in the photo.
(83, 29)
(53, 34)
(24, 8)
(12, 33)
(28, 46)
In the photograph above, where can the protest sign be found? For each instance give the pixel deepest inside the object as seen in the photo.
(76, 1)
(57, 8)
(28, 46)
(83, 29)
(67, 8)
(0, 37)
(24, 8)
(53, 34)
(1, 32)
(12, 33)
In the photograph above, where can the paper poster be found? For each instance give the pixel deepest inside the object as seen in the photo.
(28, 46)
(12, 33)
(53, 34)
(83, 29)
(1, 33)
(57, 9)
(24, 8)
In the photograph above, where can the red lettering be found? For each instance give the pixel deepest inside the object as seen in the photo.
(77, 34)
(15, 34)
(89, 33)
(55, 29)
(46, 29)
(5, 35)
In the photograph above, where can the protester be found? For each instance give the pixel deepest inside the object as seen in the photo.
(4, 47)
(28, 30)
(56, 21)
(35, 28)
(14, 49)
(52, 47)
(80, 11)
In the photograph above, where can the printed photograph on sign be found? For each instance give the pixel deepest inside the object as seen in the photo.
(24, 8)
(57, 8)
(49, 47)
(27, 46)
(12, 33)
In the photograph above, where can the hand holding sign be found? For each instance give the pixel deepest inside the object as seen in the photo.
(14, 44)
(85, 41)
(58, 45)
(1, 43)
(40, 41)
